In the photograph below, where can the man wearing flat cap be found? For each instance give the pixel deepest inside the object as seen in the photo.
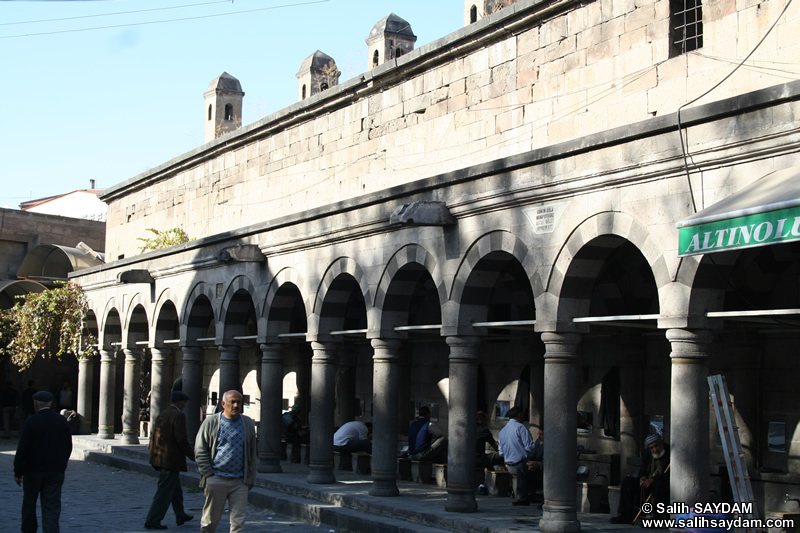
(169, 448)
(652, 480)
(43, 451)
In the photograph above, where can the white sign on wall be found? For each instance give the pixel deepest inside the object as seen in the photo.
(544, 218)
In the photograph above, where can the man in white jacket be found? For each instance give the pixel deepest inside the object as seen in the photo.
(227, 458)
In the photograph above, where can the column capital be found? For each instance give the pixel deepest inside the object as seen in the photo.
(228, 352)
(560, 346)
(160, 353)
(271, 352)
(463, 348)
(193, 354)
(689, 344)
(324, 352)
(386, 350)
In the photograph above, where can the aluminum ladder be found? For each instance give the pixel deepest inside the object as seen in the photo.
(732, 446)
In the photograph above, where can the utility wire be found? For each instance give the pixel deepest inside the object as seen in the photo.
(720, 82)
(163, 21)
(113, 14)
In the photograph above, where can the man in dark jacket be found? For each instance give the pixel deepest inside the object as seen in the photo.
(653, 479)
(43, 451)
(169, 448)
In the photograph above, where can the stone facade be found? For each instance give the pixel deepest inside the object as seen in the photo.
(549, 132)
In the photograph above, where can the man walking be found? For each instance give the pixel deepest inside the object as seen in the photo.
(169, 448)
(43, 451)
(516, 447)
(227, 459)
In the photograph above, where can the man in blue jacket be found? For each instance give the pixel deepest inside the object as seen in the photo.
(426, 441)
(43, 451)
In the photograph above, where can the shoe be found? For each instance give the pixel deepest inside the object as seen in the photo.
(520, 502)
(155, 526)
(184, 519)
(619, 519)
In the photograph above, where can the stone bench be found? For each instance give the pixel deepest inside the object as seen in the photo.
(362, 463)
(440, 474)
(592, 498)
(421, 471)
(499, 483)
(343, 460)
(403, 469)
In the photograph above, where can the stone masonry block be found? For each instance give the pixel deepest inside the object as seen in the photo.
(476, 63)
(528, 41)
(502, 52)
(639, 17)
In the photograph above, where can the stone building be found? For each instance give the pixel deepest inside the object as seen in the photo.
(486, 220)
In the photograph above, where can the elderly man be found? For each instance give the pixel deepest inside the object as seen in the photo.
(43, 451)
(516, 447)
(227, 459)
(653, 479)
(169, 448)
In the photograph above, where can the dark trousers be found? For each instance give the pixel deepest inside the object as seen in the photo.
(631, 496)
(355, 446)
(524, 480)
(168, 492)
(48, 485)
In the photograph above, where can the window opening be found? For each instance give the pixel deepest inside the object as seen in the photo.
(375, 59)
(473, 14)
(209, 111)
(228, 111)
(686, 26)
(304, 92)
(323, 87)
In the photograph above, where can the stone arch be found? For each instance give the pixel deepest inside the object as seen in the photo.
(329, 290)
(106, 328)
(387, 291)
(278, 311)
(590, 239)
(234, 307)
(201, 294)
(136, 324)
(497, 243)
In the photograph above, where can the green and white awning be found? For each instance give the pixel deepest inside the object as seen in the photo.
(763, 213)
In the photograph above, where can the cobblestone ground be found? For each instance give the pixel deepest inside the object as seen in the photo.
(99, 499)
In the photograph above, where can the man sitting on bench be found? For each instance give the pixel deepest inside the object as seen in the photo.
(652, 481)
(426, 441)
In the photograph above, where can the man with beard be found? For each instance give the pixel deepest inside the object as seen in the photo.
(653, 479)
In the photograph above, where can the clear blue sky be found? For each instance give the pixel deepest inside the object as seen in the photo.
(83, 103)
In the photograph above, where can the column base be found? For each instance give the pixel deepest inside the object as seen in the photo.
(559, 519)
(321, 476)
(384, 486)
(461, 500)
(107, 434)
(130, 438)
(271, 465)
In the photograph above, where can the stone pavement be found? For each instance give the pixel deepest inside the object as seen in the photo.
(113, 473)
(102, 499)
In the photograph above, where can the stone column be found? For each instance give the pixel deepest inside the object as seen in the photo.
(385, 373)
(559, 512)
(462, 425)
(85, 390)
(192, 386)
(228, 369)
(131, 396)
(160, 380)
(689, 481)
(108, 376)
(323, 388)
(270, 426)
(346, 389)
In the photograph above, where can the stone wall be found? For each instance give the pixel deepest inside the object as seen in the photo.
(522, 79)
(21, 231)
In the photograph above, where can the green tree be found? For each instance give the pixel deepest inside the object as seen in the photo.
(163, 239)
(48, 324)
